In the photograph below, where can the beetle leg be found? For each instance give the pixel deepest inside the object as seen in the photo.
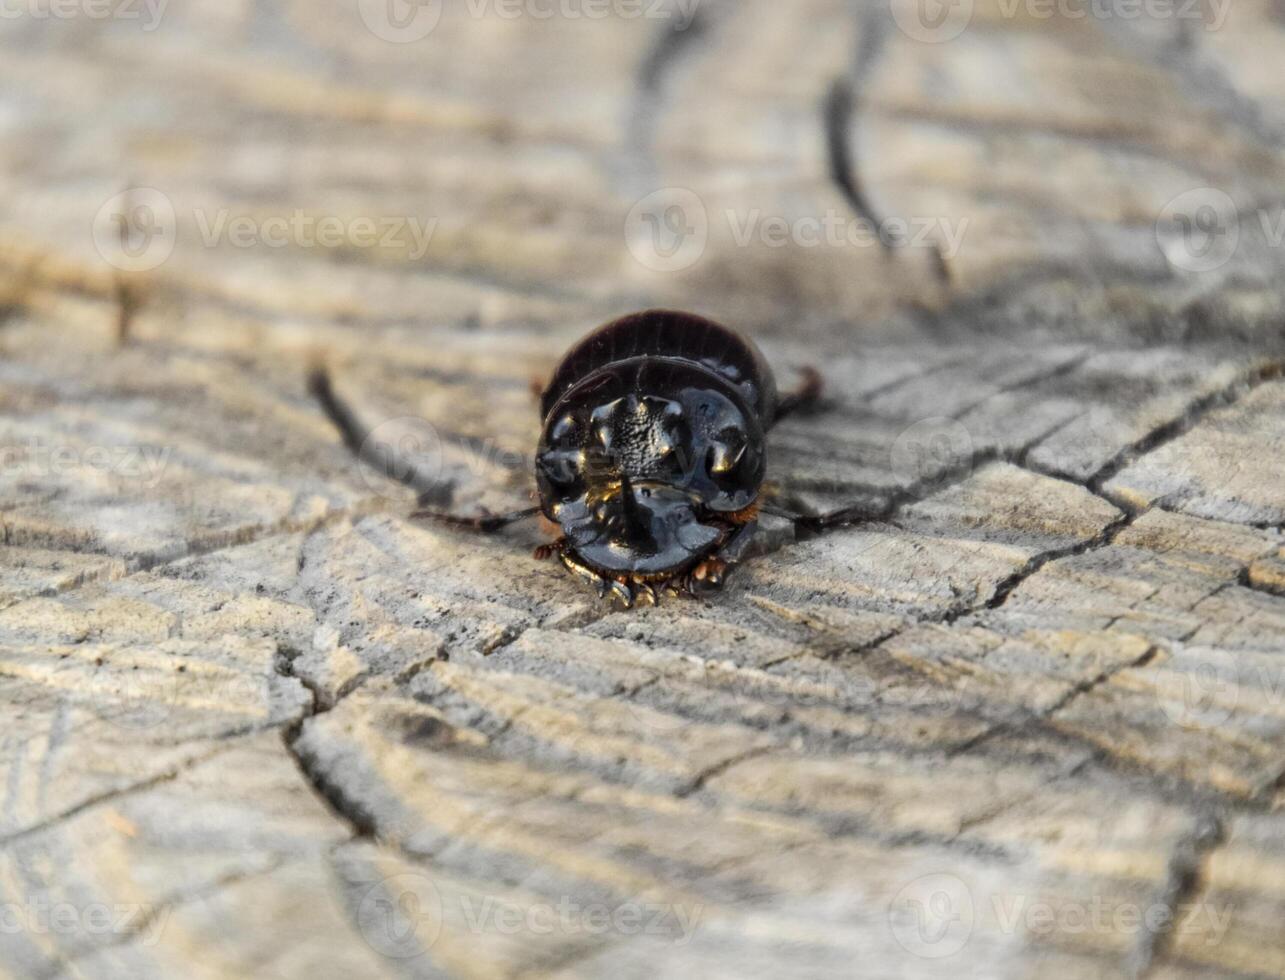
(646, 591)
(711, 573)
(735, 547)
(486, 523)
(802, 398)
(622, 591)
(580, 571)
(548, 550)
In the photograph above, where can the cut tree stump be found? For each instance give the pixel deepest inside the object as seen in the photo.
(1022, 714)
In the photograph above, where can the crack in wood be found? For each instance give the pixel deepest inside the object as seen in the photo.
(65, 965)
(839, 112)
(1035, 720)
(1184, 883)
(1103, 539)
(1204, 81)
(638, 167)
(1183, 423)
(123, 792)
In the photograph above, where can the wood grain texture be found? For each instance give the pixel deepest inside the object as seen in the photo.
(1021, 713)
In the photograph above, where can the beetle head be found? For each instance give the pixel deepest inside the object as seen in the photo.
(644, 483)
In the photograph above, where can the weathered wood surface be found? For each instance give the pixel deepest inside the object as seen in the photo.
(258, 723)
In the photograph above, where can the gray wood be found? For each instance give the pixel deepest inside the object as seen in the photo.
(1026, 720)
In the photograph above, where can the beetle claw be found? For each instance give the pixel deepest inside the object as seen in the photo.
(708, 576)
(587, 574)
(623, 592)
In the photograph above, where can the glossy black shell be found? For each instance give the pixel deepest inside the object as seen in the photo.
(653, 441)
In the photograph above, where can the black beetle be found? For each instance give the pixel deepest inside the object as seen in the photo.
(652, 454)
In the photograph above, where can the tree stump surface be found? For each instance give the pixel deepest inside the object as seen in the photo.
(1025, 720)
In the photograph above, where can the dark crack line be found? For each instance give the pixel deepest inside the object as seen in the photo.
(64, 816)
(671, 43)
(1069, 366)
(61, 966)
(340, 804)
(667, 52)
(348, 809)
(1205, 81)
(705, 775)
(839, 113)
(1184, 882)
(129, 299)
(384, 459)
(1035, 720)
(891, 386)
(1102, 539)
(1185, 422)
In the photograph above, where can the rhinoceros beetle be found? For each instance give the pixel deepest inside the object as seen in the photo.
(652, 455)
